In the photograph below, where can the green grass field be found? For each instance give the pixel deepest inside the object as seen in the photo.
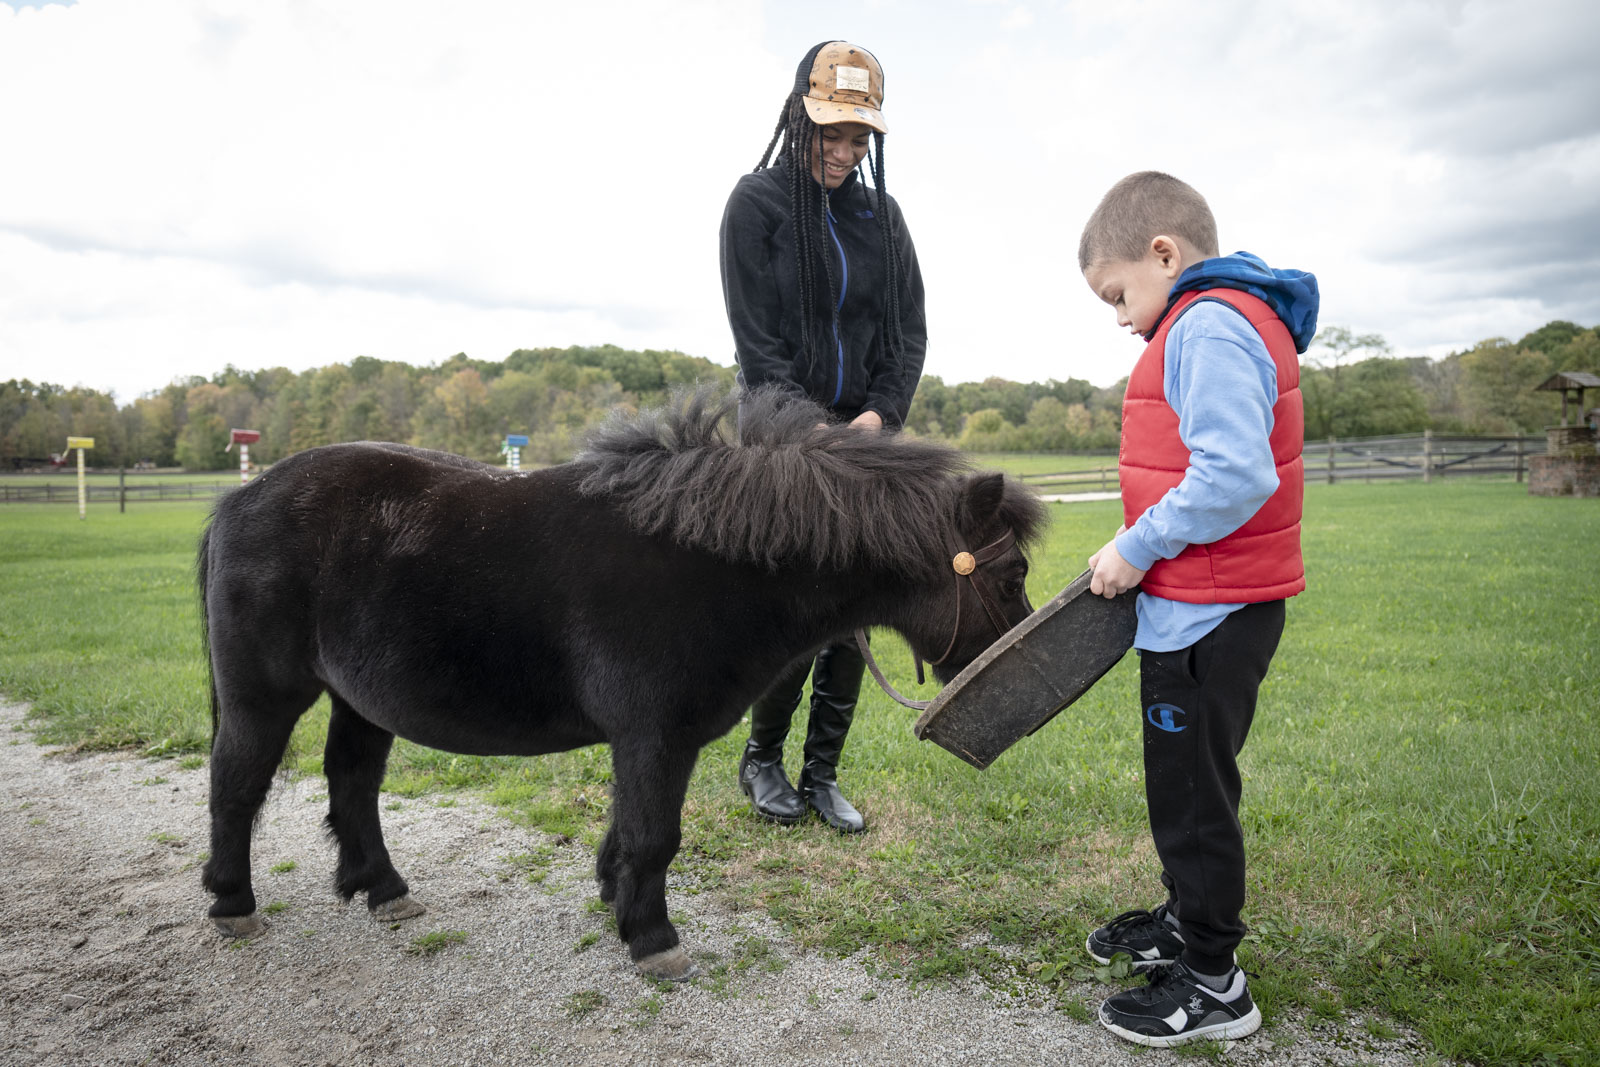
(1422, 791)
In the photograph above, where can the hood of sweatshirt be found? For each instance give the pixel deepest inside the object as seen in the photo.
(1290, 293)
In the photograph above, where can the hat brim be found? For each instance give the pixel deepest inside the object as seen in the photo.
(833, 112)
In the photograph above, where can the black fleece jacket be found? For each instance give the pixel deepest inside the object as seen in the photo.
(762, 294)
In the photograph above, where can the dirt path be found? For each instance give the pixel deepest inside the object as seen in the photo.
(106, 957)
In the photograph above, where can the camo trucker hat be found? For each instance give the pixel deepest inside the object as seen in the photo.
(841, 83)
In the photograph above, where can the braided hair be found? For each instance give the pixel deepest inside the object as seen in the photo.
(808, 200)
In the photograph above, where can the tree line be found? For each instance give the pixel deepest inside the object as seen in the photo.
(1353, 386)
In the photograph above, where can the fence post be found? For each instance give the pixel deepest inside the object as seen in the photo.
(1427, 456)
(1519, 455)
(122, 487)
(1332, 441)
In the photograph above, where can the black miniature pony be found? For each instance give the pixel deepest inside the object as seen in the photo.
(642, 595)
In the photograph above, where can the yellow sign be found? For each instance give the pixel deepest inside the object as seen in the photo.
(80, 442)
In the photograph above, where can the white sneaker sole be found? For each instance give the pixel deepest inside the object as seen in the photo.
(1243, 1026)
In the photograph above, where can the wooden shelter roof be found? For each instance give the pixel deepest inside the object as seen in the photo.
(1572, 379)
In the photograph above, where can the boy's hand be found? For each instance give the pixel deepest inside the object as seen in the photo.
(1110, 573)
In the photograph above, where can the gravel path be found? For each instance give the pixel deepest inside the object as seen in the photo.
(106, 957)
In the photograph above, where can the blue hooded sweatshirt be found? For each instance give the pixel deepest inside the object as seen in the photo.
(1290, 293)
(1221, 381)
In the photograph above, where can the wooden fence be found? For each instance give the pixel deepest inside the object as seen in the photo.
(1424, 456)
(68, 494)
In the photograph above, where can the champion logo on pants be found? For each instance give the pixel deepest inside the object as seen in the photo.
(1165, 717)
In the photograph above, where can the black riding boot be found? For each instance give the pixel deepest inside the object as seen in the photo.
(761, 774)
(835, 685)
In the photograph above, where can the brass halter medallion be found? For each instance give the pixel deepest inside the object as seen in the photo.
(964, 563)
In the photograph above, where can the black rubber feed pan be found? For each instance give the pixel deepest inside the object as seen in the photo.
(1020, 682)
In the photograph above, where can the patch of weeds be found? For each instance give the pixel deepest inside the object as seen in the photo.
(36, 821)
(1007, 809)
(587, 941)
(162, 837)
(719, 982)
(813, 1000)
(756, 952)
(445, 802)
(308, 932)
(167, 746)
(276, 906)
(1215, 1051)
(393, 805)
(284, 867)
(1119, 970)
(868, 996)
(191, 763)
(1380, 1029)
(583, 1002)
(1325, 1007)
(897, 852)
(594, 906)
(436, 941)
(534, 865)
(157, 780)
(1077, 1011)
(650, 1007)
(562, 819)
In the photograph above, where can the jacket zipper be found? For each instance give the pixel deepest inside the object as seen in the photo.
(844, 264)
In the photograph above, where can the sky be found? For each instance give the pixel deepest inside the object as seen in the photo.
(186, 184)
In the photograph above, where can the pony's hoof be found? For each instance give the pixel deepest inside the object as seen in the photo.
(403, 907)
(252, 925)
(672, 965)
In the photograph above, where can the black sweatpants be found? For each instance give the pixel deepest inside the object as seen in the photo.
(1198, 705)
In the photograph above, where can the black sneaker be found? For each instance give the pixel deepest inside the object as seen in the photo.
(1176, 1008)
(1145, 936)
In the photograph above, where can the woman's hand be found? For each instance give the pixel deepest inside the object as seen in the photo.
(867, 420)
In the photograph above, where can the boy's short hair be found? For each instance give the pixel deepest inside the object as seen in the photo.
(1138, 208)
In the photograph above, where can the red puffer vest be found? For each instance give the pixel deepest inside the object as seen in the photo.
(1260, 560)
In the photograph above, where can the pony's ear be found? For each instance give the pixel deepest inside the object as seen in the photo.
(983, 496)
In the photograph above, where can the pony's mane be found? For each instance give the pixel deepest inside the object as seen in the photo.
(767, 478)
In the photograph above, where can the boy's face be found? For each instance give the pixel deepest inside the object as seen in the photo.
(1138, 289)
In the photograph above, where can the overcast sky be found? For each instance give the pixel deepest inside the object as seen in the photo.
(189, 183)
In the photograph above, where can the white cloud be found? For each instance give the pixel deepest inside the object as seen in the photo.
(195, 182)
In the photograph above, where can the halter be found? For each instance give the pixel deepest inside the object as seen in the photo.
(965, 565)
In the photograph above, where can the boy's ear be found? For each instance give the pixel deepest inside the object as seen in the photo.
(1168, 254)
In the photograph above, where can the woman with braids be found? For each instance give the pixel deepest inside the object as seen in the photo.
(825, 300)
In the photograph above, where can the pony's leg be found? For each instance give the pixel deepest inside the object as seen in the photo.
(650, 779)
(606, 867)
(354, 760)
(245, 753)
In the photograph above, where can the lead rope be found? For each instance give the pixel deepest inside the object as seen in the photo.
(963, 563)
(883, 683)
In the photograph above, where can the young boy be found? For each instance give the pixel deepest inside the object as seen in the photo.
(1211, 492)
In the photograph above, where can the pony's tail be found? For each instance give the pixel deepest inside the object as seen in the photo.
(202, 565)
